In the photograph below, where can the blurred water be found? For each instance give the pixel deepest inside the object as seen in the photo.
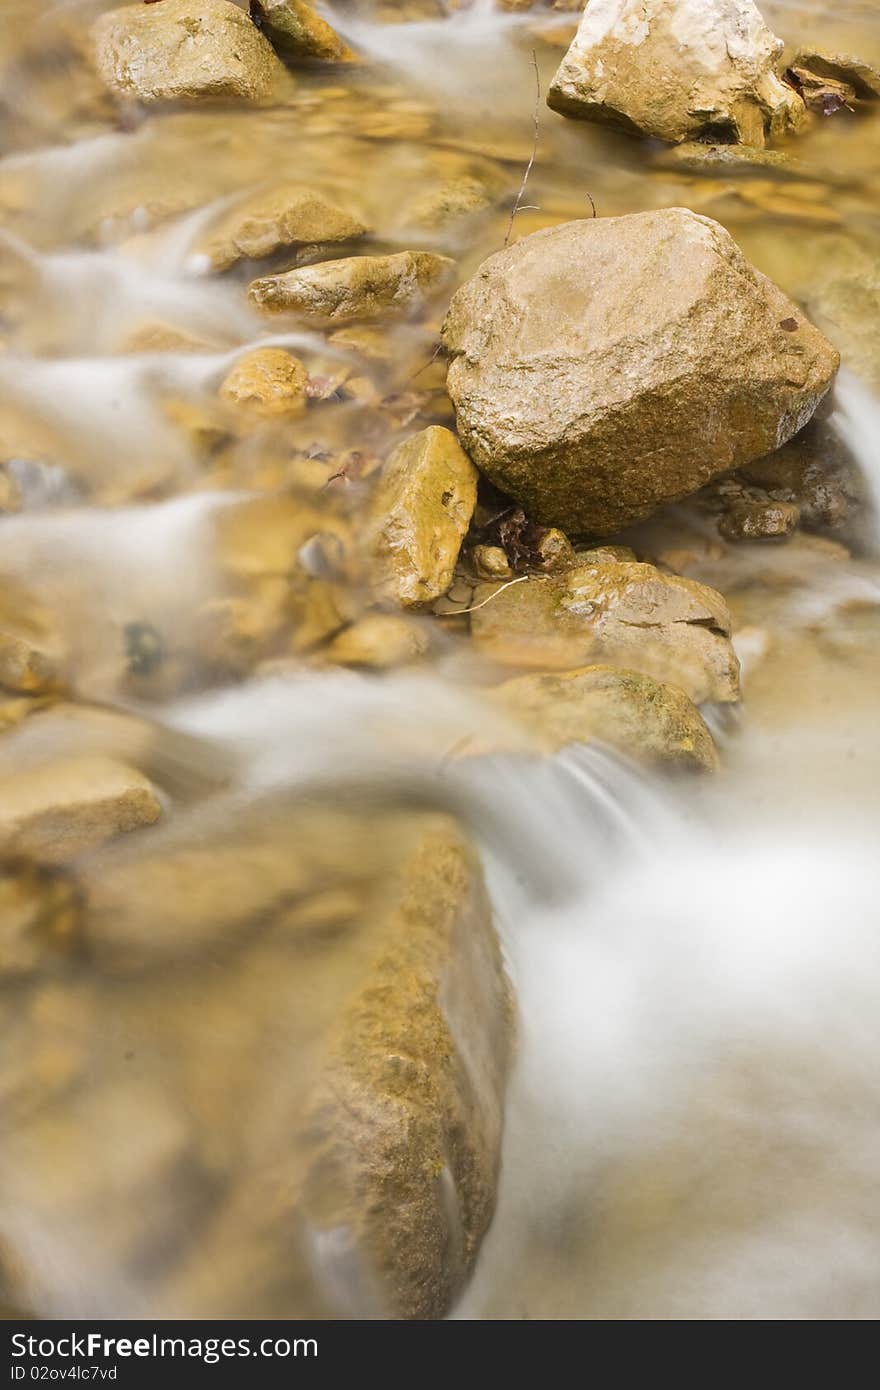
(691, 1120)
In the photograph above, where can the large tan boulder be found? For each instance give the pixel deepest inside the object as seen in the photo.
(677, 69)
(180, 50)
(642, 718)
(420, 513)
(355, 288)
(603, 367)
(620, 614)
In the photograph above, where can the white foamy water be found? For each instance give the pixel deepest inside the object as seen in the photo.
(857, 421)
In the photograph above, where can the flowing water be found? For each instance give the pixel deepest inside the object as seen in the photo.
(692, 1120)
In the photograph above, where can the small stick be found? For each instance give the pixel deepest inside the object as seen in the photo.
(522, 188)
(592, 205)
(425, 365)
(457, 612)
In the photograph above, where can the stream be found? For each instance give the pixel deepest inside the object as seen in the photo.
(692, 1114)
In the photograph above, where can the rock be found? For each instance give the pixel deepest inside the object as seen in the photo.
(183, 50)
(14, 709)
(678, 70)
(298, 33)
(233, 634)
(368, 341)
(554, 552)
(318, 610)
(56, 811)
(31, 651)
(258, 537)
(269, 380)
(491, 562)
(353, 966)
(848, 304)
(619, 614)
(461, 197)
(38, 919)
(735, 161)
(153, 335)
(26, 665)
(379, 641)
(276, 218)
(840, 68)
(603, 367)
(821, 94)
(406, 1120)
(814, 472)
(359, 287)
(753, 521)
(640, 717)
(420, 513)
(605, 555)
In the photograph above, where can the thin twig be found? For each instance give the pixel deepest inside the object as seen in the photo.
(592, 204)
(425, 365)
(457, 612)
(522, 188)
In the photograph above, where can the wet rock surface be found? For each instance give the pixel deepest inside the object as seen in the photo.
(184, 50)
(645, 720)
(298, 33)
(279, 217)
(862, 78)
(605, 366)
(53, 813)
(624, 614)
(678, 70)
(355, 289)
(263, 606)
(367, 1185)
(420, 514)
(268, 380)
(752, 521)
(407, 1121)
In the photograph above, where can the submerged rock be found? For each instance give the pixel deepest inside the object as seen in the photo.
(639, 716)
(821, 94)
(621, 614)
(362, 1033)
(840, 68)
(274, 219)
(814, 472)
(180, 50)
(38, 919)
(755, 521)
(27, 665)
(32, 656)
(271, 381)
(459, 198)
(603, 367)
(678, 70)
(421, 511)
(54, 812)
(358, 287)
(379, 641)
(406, 1121)
(299, 33)
(735, 161)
